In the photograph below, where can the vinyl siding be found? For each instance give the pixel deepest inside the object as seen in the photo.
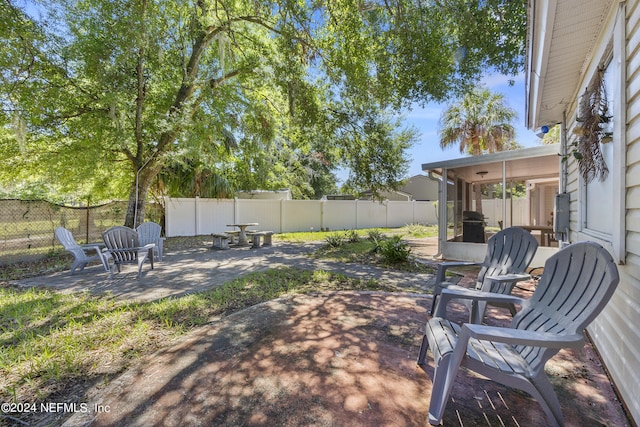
(615, 332)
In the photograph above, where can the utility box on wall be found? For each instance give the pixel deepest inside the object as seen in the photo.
(561, 216)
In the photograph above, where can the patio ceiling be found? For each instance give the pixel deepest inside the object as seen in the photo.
(520, 165)
(561, 36)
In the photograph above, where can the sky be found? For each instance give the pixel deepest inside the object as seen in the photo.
(425, 121)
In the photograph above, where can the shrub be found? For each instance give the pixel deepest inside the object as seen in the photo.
(352, 236)
(375, 235)
(394, 250)
(417, 230)
(335, 240)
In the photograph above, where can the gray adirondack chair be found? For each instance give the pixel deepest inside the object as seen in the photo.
(576, 284)
(509, 253)
(124, 247)
(149, 232)
(82, 254)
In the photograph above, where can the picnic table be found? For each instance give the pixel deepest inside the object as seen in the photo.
(242, 236)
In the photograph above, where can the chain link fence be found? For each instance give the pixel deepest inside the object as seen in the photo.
(27, 226)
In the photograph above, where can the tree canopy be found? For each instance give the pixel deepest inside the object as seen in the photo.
(100, 97)
(479, 122)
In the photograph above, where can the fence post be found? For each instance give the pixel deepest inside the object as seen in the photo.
(282, 221)
(356, 221)
(87, 218)
(386, 213)
(197, 213)
(413, 208)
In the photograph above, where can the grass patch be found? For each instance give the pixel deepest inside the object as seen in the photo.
(53, 341)
(312, 236)
(420, 230)
(368, 251)
(413, 230)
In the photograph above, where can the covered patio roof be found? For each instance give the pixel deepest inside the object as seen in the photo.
(560, 44)
(526, 163)
(541, 163)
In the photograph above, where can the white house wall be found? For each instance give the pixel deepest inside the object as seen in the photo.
(615, 332)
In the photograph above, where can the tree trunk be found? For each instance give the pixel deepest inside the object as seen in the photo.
(138, 197)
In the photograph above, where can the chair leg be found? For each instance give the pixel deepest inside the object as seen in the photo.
(447, 360)
(544, 393)
(439, 392)
(477, 310)
(75, 265)
(423, 350)
(433, 303)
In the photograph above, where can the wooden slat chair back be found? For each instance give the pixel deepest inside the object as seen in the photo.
(576, 284)
(82, 254)
(509, 253)
(124, 247)
(150, 232)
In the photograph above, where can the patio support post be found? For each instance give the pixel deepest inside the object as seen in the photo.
(442, 214)
(504, 195)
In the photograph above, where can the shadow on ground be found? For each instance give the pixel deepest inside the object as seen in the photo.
(345, 359)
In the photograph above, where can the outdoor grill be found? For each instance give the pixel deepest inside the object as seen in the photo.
(473, 227)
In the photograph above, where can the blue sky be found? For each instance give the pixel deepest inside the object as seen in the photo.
(425, 120)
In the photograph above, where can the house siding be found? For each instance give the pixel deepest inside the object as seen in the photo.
(615, 332)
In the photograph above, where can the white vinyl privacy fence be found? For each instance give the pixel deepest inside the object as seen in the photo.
(192, 217)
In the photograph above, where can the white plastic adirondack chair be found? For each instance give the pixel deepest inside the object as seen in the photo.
(576, 284)
(149, 232)
(509, 253)
(123, 246)
(81, 253)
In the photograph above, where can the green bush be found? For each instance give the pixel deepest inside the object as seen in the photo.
(352, 236)
(418, 230)
(375, 235)
(335, 240)
(394, 250)
(376, 238)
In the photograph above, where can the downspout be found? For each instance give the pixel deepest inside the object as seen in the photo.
(564, 171)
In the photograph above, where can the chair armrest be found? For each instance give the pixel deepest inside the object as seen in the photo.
(522, 337)
(513, 277)
(444, 266)
(93, 247)
(458, 292)
(136, 249)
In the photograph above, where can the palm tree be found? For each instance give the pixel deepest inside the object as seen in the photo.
(480, 122)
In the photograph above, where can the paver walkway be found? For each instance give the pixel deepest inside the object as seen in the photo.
(203, 268)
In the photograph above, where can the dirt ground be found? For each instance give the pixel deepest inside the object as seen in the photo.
(333, 359)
